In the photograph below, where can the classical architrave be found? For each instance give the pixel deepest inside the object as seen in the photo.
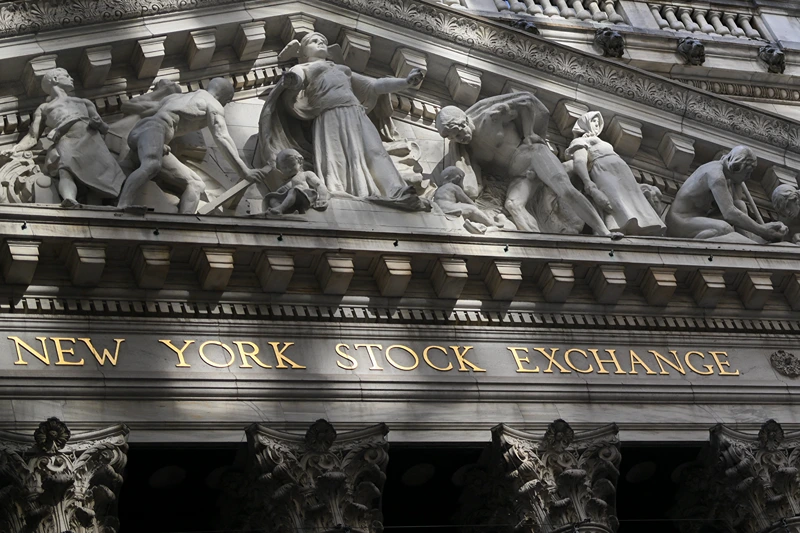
(566, 113)
(677, 152)
(449, 277)
(707, 286)
(147, 56)
(57, 481)
(356, 49)
(625, 135)
(778, 175)
(319, 481)
(297, 27)
(35, 70)
(19, 259)
(791, 290)
(334, 273)
(743, 482)
(659, 285)
(755, 288)
(556, 281)
(200, 46)
(464, 84)
(249, 40)
(564, 480)
(95, 63)
(406, 59)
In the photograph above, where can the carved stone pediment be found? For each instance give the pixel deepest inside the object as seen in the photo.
(320, 481)
(58, 482)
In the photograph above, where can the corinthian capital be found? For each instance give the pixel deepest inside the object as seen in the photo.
(743, 482)
(57, 481)
(320, 481)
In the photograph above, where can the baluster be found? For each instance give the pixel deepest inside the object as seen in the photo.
(730, 22)
(656, 10)
(744, 23)
(582, 14)
(549, 10)
(674, 23)
(564, 10)
(718, 26)
(517, 6)
(597, 14)
(685, 13)
(613, 16)
(700, 17)
(534, 8)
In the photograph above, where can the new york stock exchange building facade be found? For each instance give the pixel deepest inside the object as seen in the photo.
(398, 265)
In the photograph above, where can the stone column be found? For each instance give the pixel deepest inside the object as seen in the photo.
(317, 482)
(563, 481)
(742, 482)
(57, 482)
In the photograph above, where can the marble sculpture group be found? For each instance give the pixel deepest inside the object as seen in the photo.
(318, 143)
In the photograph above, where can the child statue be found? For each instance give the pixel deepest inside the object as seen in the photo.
(450, 196)
(303, 189)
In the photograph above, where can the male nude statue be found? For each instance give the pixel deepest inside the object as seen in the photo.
(720, 182)
(173, 116)
(505, 135)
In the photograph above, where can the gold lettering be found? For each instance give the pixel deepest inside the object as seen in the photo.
(181, 361)
(43, 357)
(208, 361)
(252, 354)
(411, 352)
(282, 359)
(369, 347)
(430, 364)
(573, 367)
(601, 368)
(343, 355)
(60, 351)
(461, 357)
(720, 364)
(709, 368)
(636, 360)
(519, 360)
(676, 365)
(552, 358)
(106, 354)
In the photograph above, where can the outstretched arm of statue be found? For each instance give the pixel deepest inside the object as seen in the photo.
(32, 137)
(219, 131)
(738, 219)
(580, 160)
(529, 111)
(393, 85)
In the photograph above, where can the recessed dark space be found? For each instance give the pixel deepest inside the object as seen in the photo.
(171, 489)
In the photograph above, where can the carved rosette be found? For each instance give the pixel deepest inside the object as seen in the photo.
(743, 483)
(318, 482)
(785, 363)
(61, 482)
(564, 480)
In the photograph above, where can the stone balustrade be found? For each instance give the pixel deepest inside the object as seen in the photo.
(708, 21)
(591, 10)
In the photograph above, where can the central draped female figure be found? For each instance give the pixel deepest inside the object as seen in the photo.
(345, 147)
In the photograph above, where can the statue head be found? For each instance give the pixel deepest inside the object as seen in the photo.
(313, 46)
(453, 174)
(692, 50)
(739, 163)
(289, 162)
(786, 200)
(610, 42)
(589, 125)
(773, 57)
(453, 124)
(221, 89)
(57, 77)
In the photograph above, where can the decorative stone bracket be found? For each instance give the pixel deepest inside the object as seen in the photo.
(56, 483)
(317, 482)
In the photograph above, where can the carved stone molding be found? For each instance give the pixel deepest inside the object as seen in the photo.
(743, 483)
(317, 482)
(559, 481)
(58, 482)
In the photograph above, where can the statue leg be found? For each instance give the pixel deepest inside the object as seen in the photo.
(517, 195)
(147, 144)
(380, 164)
(471, 212)
(178, 175)
(67, 188)
(550, 170)
(286, 206)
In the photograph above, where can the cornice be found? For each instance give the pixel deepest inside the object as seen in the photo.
(463, 29)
